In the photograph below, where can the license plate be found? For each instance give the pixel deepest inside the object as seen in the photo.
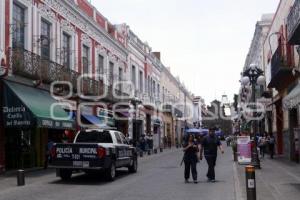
(83, 164)
(86, 164)
(77, 163)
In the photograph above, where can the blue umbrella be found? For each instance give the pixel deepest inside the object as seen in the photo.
(204, 132)
(193, 130)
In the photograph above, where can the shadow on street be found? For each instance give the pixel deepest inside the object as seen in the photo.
(91, 179)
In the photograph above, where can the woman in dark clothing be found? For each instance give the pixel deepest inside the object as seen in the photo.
(190, 159)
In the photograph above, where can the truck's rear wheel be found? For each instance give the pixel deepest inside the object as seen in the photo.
(65, 174)
(134, 165)
(110, 173)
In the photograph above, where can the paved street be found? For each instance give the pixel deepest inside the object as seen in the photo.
(159, 177)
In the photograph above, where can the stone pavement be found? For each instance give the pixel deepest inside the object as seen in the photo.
(33, 175)
(279, 179)
(159, 177)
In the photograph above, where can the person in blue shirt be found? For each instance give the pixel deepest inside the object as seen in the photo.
(209, 146)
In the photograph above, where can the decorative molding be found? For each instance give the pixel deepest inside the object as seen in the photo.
(80, 23)
(46, 12)
(101, 50)
(86, 39)
(67, 26)
(26, 2)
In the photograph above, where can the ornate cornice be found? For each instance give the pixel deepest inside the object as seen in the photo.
(46, 12)
(86, 39)
(67, 26)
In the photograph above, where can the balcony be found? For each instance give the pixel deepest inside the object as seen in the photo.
(281, 73)
(293, 22)
(32, 66)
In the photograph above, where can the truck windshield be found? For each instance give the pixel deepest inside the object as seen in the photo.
(94, 137)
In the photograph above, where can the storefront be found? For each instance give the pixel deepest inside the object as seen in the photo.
(30, 119)
(291, 104)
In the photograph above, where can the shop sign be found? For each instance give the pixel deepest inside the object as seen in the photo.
(55, 124)
(244, 149)
(16, 116)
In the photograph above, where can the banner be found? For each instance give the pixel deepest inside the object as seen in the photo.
(244, 149)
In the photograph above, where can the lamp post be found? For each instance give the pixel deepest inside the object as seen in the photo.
(176, 130)
(253, 76)
(136, 104)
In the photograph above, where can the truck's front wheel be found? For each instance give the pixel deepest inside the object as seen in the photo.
(134, 165)
(65, 174)
(110, 173)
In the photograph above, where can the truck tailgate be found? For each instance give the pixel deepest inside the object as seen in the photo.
(77, 156)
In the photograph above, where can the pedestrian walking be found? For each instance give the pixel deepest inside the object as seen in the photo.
(190, 159)
(262, 143)
(47, 153)
(209, 146)
(271, 143)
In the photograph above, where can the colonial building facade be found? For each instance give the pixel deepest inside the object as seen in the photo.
(280, 62)
(64, 67)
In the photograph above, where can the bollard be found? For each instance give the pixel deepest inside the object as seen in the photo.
(149, 152)
(250, 182)
(155, 151)
(161, 150)
(235, 156)
(21, 177)
(141, 154)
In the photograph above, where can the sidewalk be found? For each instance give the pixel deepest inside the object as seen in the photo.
(279, 179)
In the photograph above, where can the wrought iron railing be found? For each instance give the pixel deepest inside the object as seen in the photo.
(30, 65)
(277, 62)
(293, 19)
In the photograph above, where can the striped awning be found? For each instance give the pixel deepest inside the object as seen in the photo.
(292, 99)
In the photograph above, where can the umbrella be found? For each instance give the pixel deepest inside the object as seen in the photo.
(204, 132)
(193, 130)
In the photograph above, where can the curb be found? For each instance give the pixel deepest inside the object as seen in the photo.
(237, 188)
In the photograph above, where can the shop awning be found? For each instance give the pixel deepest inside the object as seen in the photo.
(292, 99)
(93, 120)
(26, 106)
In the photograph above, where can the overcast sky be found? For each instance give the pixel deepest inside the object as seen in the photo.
(205, 42)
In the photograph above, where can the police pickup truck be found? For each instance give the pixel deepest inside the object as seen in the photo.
(94, 150)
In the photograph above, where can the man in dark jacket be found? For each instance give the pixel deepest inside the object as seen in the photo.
(210, 145)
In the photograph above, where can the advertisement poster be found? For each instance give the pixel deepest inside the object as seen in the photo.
(244, 149)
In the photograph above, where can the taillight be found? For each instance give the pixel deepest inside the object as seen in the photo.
(53, 152)
(101, 152)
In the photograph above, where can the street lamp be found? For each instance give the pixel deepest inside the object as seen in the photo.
(135, 105)
(253, 76)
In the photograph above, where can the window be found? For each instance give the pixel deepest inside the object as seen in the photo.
(18, 35)
(94, 137)
(85, 59)
(141, 81)
(111, 73)
(66, 48)
(153, 91)
(158, 91)
(133, 78)
(163, 93)
(45, 39)
(119, 140)
(100, 65)
(124, 140)
(120, 78)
